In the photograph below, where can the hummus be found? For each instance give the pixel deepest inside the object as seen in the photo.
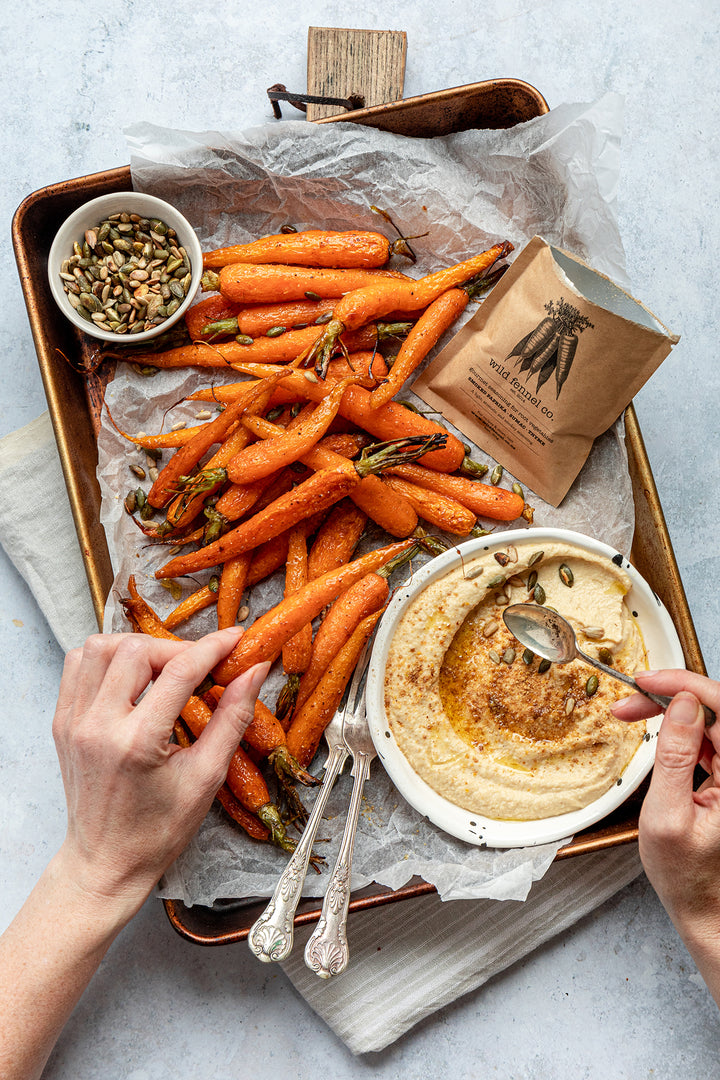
(488, 725)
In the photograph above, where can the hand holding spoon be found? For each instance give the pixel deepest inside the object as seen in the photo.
(551, 636)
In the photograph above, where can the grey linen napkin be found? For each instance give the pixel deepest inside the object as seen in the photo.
(407, 959)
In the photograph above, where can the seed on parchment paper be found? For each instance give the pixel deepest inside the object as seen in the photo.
(496, 475)
(138, 470)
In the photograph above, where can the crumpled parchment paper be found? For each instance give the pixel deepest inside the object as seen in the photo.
(555, 176)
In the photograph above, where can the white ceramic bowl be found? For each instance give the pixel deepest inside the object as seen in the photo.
(663, 649)
(89, 215)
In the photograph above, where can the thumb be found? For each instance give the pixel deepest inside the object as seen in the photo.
(678, 746)
(231, 718)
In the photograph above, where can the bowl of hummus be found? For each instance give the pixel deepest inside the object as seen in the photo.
(491, 743)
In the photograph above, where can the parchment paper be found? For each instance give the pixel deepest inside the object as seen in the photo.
(556, 176)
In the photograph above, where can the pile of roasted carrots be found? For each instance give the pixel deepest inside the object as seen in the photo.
(309, 451)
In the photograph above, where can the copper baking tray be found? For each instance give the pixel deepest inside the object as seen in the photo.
(75, 400)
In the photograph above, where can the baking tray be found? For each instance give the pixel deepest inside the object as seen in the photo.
(75, 400)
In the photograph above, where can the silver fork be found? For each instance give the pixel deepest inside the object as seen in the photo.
(326, 952)
(271, 936)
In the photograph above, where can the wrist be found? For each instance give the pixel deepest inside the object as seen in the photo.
(98, 899)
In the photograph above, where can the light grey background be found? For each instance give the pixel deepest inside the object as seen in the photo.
(617, 996)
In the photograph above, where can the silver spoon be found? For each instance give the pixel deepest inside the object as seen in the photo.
(551, 636)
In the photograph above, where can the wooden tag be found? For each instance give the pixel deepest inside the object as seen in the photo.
(368, 63)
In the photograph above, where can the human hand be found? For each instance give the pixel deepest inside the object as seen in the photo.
(679, 831)
(134, 798)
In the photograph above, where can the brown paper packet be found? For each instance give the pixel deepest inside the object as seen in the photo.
(548, 363)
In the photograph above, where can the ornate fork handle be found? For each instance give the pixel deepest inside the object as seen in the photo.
(271, 936)
(326, 952)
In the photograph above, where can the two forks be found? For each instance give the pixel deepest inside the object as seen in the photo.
(271, 937)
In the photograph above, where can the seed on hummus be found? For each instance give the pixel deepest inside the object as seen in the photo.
(518, 739)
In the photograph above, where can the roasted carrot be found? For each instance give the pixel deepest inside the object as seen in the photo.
(262, 458)
(372, 301)
(233, 579)
(312, 247)
(254, 320)
(202, 598)
(309, 723)
(394, 513)
(337, 538)
(368, 595)
(390, 421)
(320, 491)
(264, 639)
(296, 651)
(439, 510)
(285, 347)
(232, 806)
(427, 331)
(485, 500)
(266, 735)
(246, 283)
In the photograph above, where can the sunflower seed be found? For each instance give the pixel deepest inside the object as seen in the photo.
(508, 656)
(474, 572)
(595, 633)
(569, 705)
(490, 628)
(495, 657)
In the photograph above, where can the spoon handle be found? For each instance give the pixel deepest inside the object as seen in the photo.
(660, 699)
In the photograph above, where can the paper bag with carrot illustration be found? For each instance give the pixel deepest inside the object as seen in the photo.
(547, 364)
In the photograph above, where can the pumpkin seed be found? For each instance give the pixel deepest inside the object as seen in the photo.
(605, 656)
(528, 656)
(502, 557)
(138, 470)
(566, 575)
(535, 557)
(518, 490)
(243, 339)
(591, 685)
(496, 475)
(496, 582)
(544, 666)
(130, 502)
(539, 594)
(532, 580)
(276, 331)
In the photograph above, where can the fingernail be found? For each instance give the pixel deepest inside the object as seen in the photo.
(683, 709)
(639, 674)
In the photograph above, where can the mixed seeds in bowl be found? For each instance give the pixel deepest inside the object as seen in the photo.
(128, 275)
